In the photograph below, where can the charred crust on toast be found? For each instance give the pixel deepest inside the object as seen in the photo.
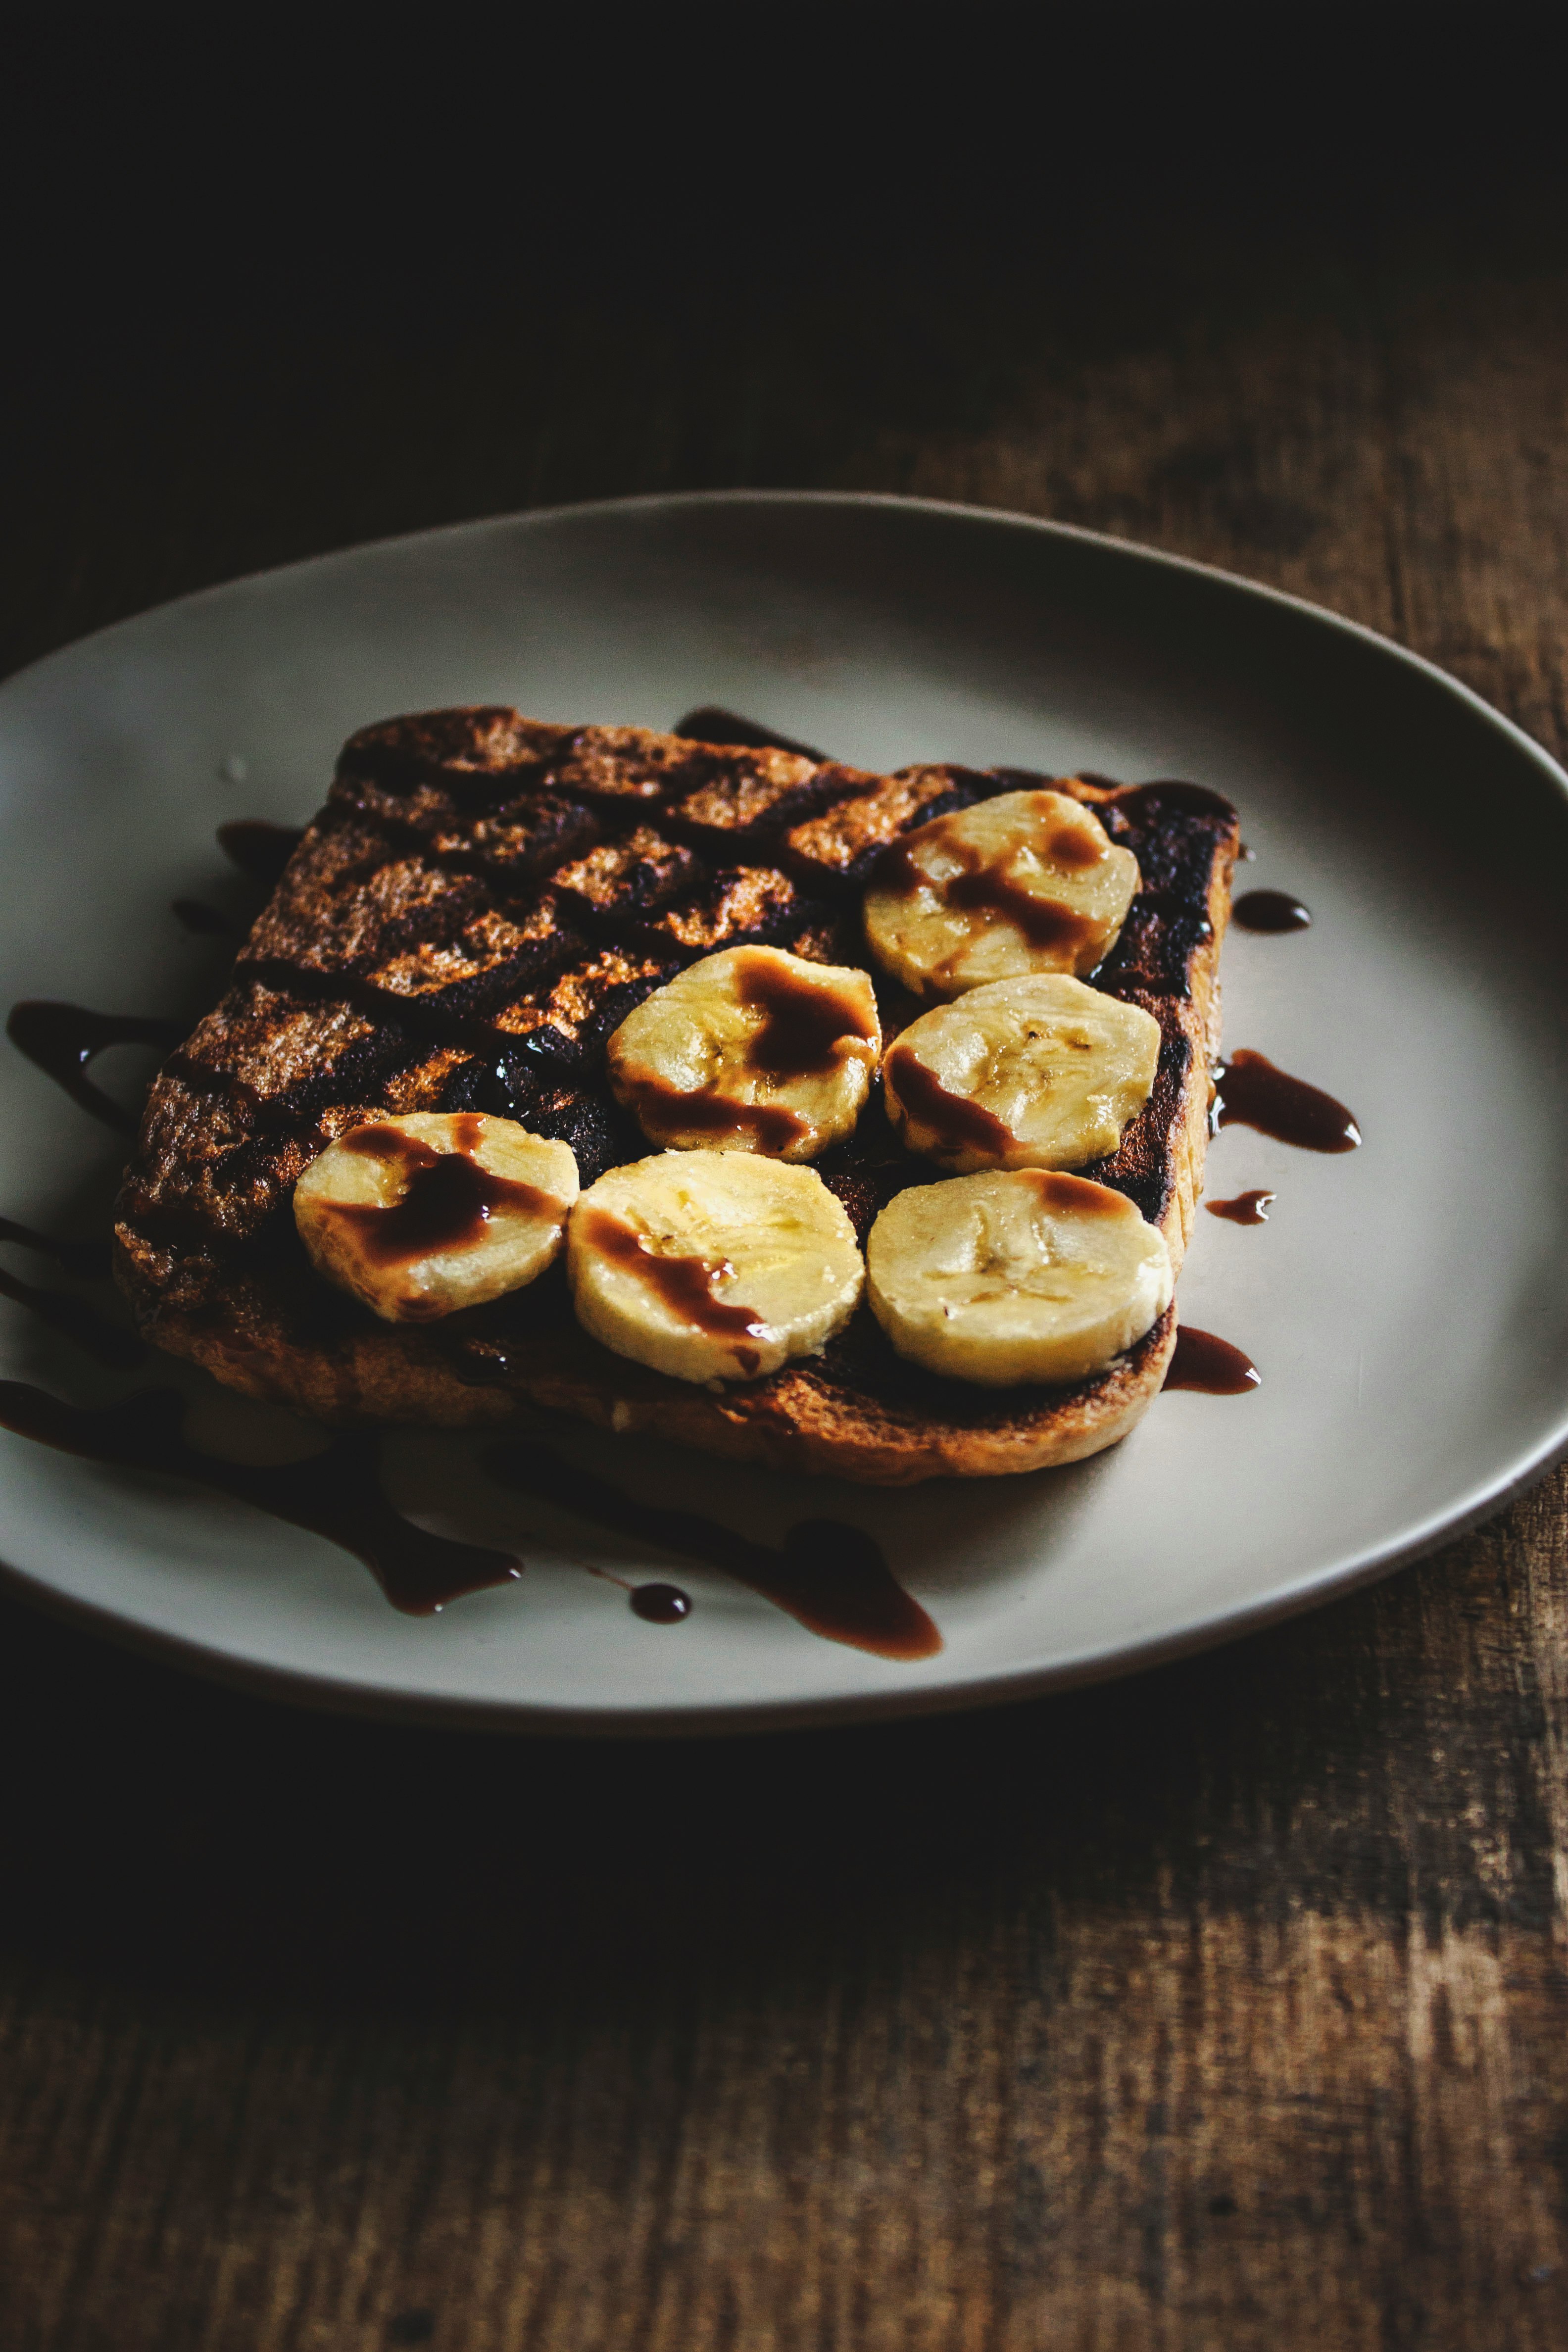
(482, 901)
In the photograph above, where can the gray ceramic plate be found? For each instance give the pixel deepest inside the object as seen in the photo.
(1407, 1305)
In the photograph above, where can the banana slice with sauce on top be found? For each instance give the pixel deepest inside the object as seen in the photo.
(1028, 882)
(424, 1213)
(1021, 1276)
(751, 1050)
(1040, 1072)
(712, 1265)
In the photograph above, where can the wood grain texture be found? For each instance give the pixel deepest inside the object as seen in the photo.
(1226, 2008)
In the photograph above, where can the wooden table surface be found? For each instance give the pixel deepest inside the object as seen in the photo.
(1222, 2008)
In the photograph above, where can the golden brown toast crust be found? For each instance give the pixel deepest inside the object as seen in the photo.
(479, 904)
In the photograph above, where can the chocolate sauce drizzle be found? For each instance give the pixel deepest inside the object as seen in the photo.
(684, 1283)
(1202, 1362)
(88, 1261)
(1075, 847)
(336, 1493)
(712, 723)
(807, 1027)
(258, 847)
(62, 1040)
(76, 1318)
(1246, 1209)
(194, 915)
(448, 1197)
(830, 1578)
(991, 890)
(1271, 910)
(958, 1122)
(1253, 1092)
(774, 1124)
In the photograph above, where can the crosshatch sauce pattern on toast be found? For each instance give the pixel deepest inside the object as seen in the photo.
(481, 903)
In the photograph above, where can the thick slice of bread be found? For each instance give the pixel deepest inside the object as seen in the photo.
(479, 904)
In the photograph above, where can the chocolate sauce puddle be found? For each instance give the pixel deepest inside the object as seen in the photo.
(1253, 1092)
(109, 1342)
(1202, 1362)
(336, 1493)
(1246, 1209)
(62, 1039)
(1271, 910)
(655, 1604)
(258, 847)
(829, 1578)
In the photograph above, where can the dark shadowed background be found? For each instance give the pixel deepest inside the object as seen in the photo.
(1224, 2008)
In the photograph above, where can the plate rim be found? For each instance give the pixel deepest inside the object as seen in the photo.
(321, 1694)
(330, 1693)
(1135, 550)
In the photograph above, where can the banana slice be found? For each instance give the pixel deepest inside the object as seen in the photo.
(1029, 1275)
(1027, 882)
(1035, 1073)
(424, 1213)
(751, 1050)
(712, 1265)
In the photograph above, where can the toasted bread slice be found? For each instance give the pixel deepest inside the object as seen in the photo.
(479, 904)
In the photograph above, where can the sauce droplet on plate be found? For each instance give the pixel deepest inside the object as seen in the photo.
(1202, 1362)
(1271, 910)
(1254, 1092)
(1246, 1209)
(660, 1604)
